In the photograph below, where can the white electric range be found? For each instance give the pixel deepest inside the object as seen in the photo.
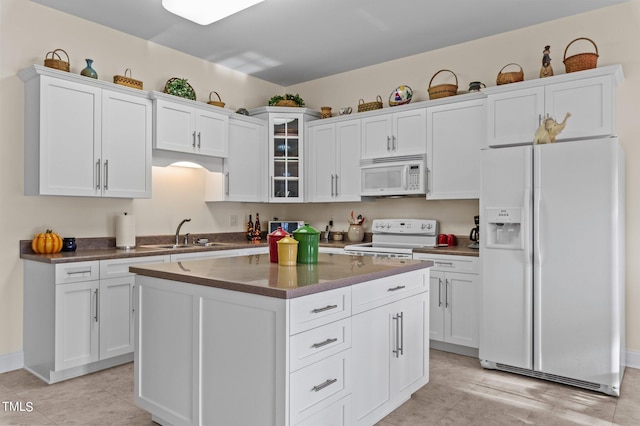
(397, 238)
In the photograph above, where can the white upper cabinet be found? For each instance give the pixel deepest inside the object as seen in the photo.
(392, 134)
(455, 136)
(244, 176)
(85, 137)
(190, 127)
(334, 161)
(516, 110)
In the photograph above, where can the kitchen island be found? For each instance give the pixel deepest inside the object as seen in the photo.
(242, 341)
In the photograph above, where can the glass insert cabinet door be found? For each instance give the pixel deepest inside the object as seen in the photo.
(287, 158)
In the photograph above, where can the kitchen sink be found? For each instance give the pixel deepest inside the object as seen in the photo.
(177, 246)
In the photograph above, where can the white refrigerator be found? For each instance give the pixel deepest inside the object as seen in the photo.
(552, 255)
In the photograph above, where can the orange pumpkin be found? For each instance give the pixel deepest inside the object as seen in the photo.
(46, 242)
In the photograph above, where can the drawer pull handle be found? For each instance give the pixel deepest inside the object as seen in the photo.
(325, 343)
(400, 287)
(79, 271)
(444, 263)
(318, 388)
(326, 308)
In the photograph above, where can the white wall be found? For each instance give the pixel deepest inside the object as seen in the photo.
(28, 31)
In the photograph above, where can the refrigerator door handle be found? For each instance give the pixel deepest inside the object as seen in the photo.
(537, 282)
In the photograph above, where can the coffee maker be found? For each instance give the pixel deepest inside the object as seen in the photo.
(475, 234)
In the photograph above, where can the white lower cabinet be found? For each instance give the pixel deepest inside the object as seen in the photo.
(390, 344)
(455, 299)
(303, 361)
(76, 322)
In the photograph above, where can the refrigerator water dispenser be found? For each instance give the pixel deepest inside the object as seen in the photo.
(504, 228)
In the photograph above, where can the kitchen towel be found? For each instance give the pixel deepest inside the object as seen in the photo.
(125, 231)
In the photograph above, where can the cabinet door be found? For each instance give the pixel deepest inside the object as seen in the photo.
(371, 349)
(116, 316)
(175, 127)
(436, 305)
(286, 153)
(513, 117)
(347, 177)
(590, 102)
(212, 133)
(462, 304)
(126, 145)
(66, 158)
(376, 136)
(245, 170)
(76, 324)
(410, 359)
(455, 135)
(322, 163)
(410, 132)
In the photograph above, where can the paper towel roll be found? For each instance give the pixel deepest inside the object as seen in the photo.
(125, 231)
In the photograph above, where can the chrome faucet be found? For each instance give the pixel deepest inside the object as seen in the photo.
(178, 230)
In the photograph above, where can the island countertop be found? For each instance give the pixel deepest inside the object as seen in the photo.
(256, 274)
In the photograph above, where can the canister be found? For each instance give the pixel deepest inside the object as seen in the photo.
(309, 239)
(287, 251)
(272, 239)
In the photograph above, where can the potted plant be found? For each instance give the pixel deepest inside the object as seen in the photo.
(180, 87)
(288, 100)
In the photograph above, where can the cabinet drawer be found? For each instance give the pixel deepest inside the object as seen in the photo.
(321, 384)
(337, 414)
(319, 309)
(77, 272)
(319, 343)
(469, 264)
(114, 268)
(379, 292)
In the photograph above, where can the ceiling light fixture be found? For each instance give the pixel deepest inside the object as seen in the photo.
(205, 12)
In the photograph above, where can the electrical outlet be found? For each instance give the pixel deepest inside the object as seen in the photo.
(233, 220)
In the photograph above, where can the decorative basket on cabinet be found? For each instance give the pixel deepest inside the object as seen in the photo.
(580, 61)
(54, 60)
(370, 106)
(125, 80)
(217, 103)
(442, 90)
(509, 77)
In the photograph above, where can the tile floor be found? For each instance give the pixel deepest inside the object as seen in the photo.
(460, 392)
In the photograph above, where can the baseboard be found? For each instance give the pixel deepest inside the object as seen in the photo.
(11, 361)
(633, 359)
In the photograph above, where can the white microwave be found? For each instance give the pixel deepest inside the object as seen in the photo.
(396, 176)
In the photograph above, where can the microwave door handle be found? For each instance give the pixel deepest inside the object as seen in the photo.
(405, 175)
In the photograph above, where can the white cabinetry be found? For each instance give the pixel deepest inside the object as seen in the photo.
(78, 317)
(334, 161)
(455, 299)
(244, 174)
(293, 361)
(85, 137)
(286, 137)
(399, 133)
(516, 110)
(190, 127)
(390, 344)
(455, 135)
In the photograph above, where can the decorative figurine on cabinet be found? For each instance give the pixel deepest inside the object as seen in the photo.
(546, 70)
(549, 129)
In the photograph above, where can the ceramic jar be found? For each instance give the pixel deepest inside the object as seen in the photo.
(355, 233)
(88, 71)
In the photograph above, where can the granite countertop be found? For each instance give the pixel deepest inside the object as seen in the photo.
(255, 274)
(104, 248)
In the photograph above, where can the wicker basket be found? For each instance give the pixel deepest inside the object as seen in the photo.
(370, 106)
(127, 81)
(286, 103)
(58, 63)
(217, 103)
(189, 94)
(509, 77)
(442, 90)
(581, 61)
